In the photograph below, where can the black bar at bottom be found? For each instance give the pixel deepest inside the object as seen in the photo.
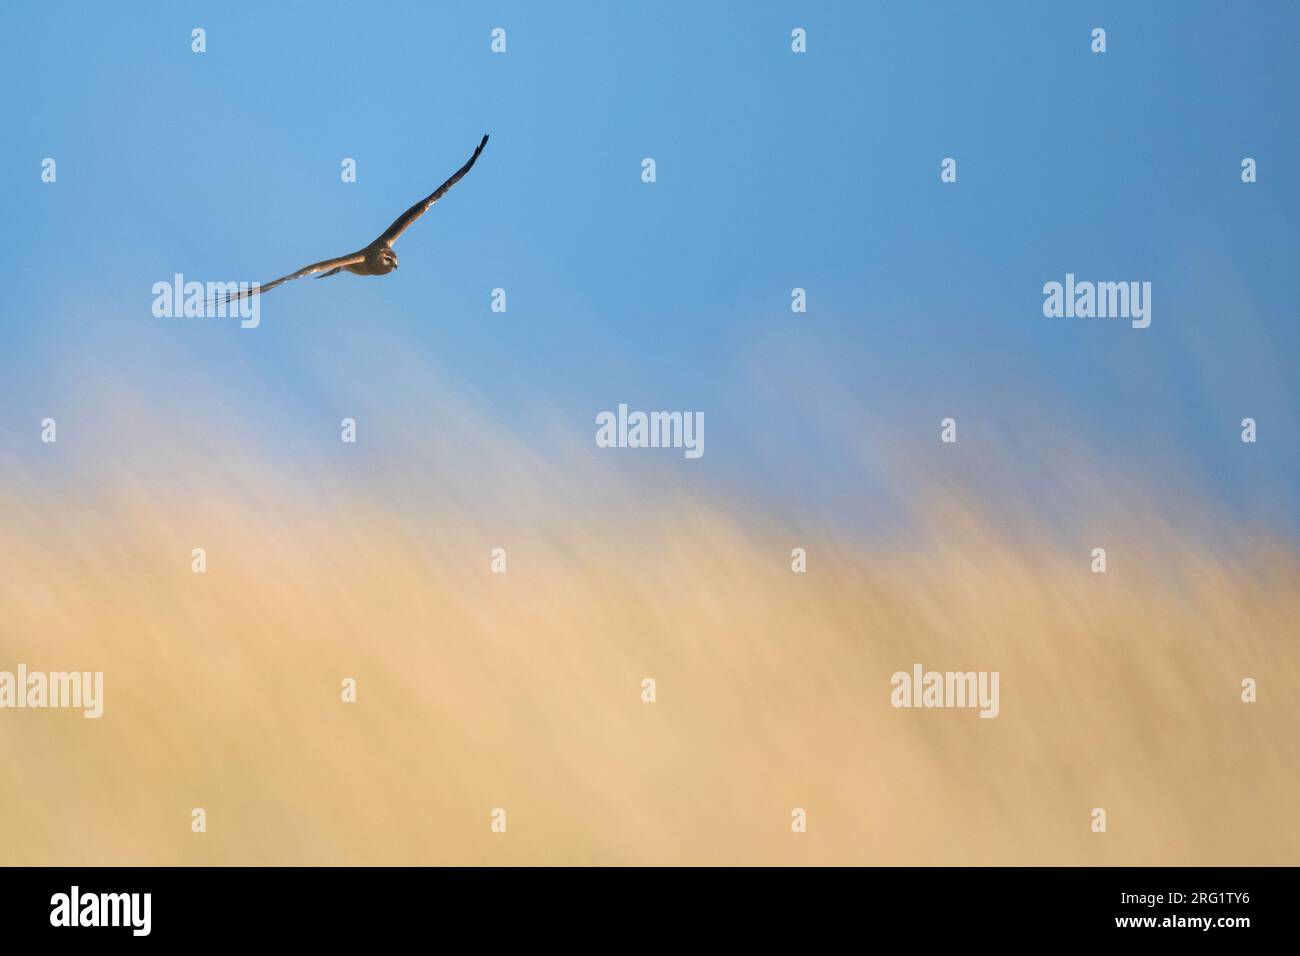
(213, 905)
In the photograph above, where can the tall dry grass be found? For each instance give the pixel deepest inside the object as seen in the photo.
(522, 690)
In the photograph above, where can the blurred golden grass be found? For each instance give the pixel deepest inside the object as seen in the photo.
(522, 690)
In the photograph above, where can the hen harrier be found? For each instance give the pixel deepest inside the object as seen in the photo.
(376, 259)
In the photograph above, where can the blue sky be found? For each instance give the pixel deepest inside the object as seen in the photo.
(775, 170)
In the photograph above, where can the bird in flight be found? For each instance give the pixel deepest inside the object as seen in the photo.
(376, 259)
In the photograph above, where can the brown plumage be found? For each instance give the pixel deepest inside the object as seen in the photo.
(378, 258)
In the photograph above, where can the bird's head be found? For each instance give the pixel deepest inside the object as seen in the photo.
(389, 259)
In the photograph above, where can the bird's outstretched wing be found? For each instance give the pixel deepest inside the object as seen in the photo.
(420, 208)
(329, 264)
